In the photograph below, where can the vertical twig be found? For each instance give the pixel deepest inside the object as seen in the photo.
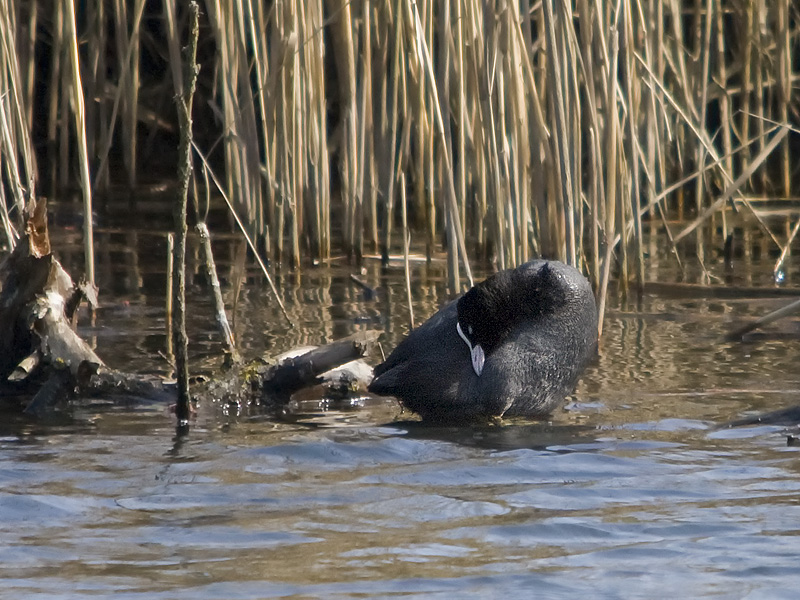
(168, 309)
(184, 101)
(219, 304)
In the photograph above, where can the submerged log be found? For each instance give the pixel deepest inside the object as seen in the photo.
(272, 385)
(43, 361)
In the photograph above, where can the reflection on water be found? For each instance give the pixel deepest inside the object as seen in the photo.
(630, 490)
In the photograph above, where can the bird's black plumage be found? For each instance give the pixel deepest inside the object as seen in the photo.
(536, 327)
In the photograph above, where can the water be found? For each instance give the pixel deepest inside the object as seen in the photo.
(630, 491)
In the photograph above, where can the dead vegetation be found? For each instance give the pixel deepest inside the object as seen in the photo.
(563, 129)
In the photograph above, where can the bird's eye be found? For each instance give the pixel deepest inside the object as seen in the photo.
(469, 329)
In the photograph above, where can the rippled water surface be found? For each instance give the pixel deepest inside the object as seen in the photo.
(630, 490)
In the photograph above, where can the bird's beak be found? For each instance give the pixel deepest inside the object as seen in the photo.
(476, 352)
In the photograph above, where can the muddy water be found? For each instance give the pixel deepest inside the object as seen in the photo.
(629, 491)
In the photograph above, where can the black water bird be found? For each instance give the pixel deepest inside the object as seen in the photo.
(513, 345)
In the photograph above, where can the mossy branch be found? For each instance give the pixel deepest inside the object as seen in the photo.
(184, 101)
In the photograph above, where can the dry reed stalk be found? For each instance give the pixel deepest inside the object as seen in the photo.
(461, 112)
(571, 58)
(505, 241)
(475, 52)
(363, 140)
(316, 193)
(560, 141)
(488, 124)
(133, 100)
(595, 176)
(735, 187)
(596, 188)
(79, 114)
(219, 304)
(128, 85)
(243, 228)
(8, 228)
(65, 94)
(370, 183)
(422, 121)
(452, 205)
(528, 85)
(342, 35)
(94, 81)
(173, 45)
(374, 48)
(759, 52)
(653, 43)
(406, 242)
(746, 66)
(784, 81)
(8, 147)
(27, 58)
(701, 134)
(170, 289)
(665, 192)
(633, 147)
(323, 157)
(124, 86)
(122, 101)
(296, 149)
(283, 142)
(611, 173)
(522, 141)
(726, 120)
(389, 130)
(452, 220)
(257, 23)
(17, 128)
(53, 89)
(280, 77)
(428, 165)
(240, 143)
(705, 51)
(776, 270)
(12, 172)
(126, 95)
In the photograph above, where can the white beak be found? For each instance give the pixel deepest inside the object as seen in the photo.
(476, 352)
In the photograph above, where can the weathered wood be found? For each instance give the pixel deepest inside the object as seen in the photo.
(184, 101)
(773, 316)
(35, 331)
(272, 385)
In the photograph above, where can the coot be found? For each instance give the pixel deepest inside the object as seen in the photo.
(514, 344)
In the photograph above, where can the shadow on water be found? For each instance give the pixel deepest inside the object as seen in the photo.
(513, 435)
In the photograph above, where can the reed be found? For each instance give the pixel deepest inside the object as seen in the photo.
(79, 113)
(572, 129)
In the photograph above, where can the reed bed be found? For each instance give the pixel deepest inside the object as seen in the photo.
(489, 131)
